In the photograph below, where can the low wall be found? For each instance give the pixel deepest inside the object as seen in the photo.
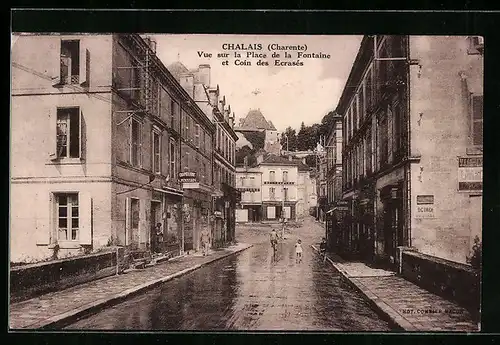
(33, 280)
(453, 281)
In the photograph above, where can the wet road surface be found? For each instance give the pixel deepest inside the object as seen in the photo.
(249, 291)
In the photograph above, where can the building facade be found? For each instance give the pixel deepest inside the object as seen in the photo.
(197, 85)
(279, 187)
(249, 183)
(119, 147)
(412, 156)
(306, 189)
(336, 208)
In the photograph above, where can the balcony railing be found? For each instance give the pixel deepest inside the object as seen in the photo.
(279, 182)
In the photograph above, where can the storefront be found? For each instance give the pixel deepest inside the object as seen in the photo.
(392, 221)
(231, 198)
(335, 218)
(197, 209)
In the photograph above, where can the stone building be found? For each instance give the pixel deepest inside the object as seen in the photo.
(412, 151)
(105, 144)
(197, 84)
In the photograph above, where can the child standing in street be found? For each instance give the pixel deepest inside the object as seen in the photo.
(298, 251)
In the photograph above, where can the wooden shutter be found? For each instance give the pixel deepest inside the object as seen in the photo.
(44, 207)
(52, 133)
(127, 221)
(82, 136)
(85, 218)
(143, 223)
(56, 63)
(127, 126)
(84, 61)
(141, 140)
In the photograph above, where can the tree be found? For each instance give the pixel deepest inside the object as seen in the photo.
(292, 139)
(302, 138)
(311, 161)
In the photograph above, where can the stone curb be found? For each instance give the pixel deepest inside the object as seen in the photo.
(66, 318)
(383, 309)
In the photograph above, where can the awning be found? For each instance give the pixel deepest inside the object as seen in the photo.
(171, 191)
(338, 208)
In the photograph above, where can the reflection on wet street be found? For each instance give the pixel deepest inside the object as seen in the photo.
(247, 292)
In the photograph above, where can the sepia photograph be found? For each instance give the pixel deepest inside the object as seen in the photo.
(237, 182)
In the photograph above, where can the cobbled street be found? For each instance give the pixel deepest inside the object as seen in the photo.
(249, 291)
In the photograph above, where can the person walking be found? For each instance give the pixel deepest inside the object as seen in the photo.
(205, 240)
(298, 251)
(322, 248)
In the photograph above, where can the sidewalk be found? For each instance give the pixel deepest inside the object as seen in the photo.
(404, 303)
(54, 310)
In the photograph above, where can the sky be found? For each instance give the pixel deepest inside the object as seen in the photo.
(285, 95)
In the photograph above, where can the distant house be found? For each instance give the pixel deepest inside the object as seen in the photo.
(255, 122)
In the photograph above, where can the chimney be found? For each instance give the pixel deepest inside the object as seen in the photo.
(260, 157)
(231, 120)
(187, 83)
(203, 75)
(214, 96)
(151, 43)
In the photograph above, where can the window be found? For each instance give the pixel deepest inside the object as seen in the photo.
(383, 141)
(135, 143)
(67, 216)
(172, 171)
(173, 111)
(355, 112)
(242, 181)
(70, 62)
(369, 89)
(361, 102)
(197, 135)
(397, 130)
(272, 192)
(285, 176)
(271, 176)
(368, 152)
(156, 152)
(134, 213)
(477, 120)
(285, 194)
(68, 133)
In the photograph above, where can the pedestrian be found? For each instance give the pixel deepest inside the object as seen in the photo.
(205, 240)
(298, 251)
(158, 238)
(322, 248)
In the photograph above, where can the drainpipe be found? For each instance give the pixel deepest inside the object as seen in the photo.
(408, 165)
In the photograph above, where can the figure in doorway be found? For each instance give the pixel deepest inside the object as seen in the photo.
(205, 240)
(158, 238)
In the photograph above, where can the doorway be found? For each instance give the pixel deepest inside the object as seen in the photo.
(393, 229)
(156, 217)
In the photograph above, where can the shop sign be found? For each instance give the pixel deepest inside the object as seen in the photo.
(470, 173)
(187, 177)
(425, 207)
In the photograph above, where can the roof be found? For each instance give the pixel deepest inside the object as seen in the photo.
(271, 159)
(176, 69)
(255, 120)
(272, 128)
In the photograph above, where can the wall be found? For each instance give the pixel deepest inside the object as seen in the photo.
(34, 176)
(32, 218)
(440, 134)
(33, 280)
(292, 176)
